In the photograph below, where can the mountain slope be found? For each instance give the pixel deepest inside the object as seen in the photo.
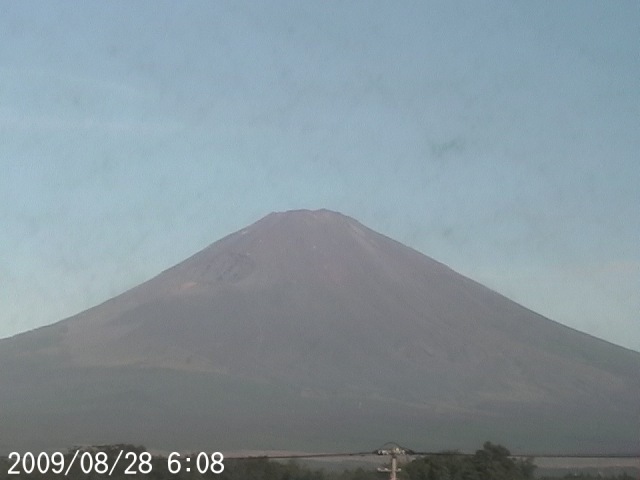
(309, 320)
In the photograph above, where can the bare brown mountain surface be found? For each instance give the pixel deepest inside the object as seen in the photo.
(307, 330)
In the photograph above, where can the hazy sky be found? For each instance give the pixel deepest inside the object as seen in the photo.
(501, 138)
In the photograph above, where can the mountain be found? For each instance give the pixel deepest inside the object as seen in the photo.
(308, 331)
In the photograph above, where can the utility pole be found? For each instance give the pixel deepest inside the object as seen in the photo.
(393, 452)
(394, 465)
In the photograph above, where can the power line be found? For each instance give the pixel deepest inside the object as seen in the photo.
(299, 455)
(412, 453)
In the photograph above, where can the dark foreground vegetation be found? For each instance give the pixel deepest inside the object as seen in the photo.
(492, 462)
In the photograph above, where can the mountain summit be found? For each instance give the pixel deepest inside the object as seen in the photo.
(307, 330)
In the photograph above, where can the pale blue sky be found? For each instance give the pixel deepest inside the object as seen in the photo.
(501, 138)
